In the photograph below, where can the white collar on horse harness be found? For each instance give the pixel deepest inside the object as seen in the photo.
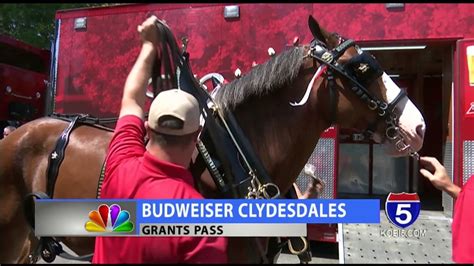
(361, 71)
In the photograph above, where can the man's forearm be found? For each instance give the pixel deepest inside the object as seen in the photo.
(137, 80)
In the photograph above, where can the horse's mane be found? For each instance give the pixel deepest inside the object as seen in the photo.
(262, 79)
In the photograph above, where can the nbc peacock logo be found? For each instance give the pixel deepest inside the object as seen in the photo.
(109, 219)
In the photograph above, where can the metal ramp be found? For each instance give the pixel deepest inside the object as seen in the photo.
(378, 243)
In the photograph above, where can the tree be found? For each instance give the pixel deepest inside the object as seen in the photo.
(34, 23)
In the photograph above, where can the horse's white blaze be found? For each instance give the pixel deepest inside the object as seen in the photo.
(411, 122)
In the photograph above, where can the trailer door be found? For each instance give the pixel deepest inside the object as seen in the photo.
(463, 129)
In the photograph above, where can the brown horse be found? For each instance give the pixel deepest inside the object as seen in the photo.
(283, 133)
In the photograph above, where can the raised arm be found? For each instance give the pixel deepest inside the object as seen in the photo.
(134, 92)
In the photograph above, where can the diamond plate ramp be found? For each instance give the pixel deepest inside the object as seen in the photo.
(385, 243)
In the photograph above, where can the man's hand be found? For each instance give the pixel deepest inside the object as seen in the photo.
(148, 31)
(434, 171)
(134, 92)
(315, 188)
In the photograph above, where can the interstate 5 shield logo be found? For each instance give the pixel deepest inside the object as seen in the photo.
(402, 209)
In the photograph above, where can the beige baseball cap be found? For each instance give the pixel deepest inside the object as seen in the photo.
(179, 104)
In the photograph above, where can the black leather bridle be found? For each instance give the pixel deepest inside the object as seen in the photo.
(361, 71)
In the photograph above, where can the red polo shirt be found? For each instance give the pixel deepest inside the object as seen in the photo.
(463, 224)
(133, 173)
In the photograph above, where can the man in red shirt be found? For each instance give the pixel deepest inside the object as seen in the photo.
(463, 219)
(157, 171)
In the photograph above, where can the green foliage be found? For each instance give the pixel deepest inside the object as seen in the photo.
(34, 23)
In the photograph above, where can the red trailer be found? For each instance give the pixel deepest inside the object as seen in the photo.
(423, 47)
(24, 71)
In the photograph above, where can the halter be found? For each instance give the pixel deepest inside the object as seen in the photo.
(361, 71)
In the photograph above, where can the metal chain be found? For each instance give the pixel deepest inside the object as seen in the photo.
(258, 191)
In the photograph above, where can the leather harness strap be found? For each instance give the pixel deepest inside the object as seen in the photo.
(333, 95)
(56, 157)
(49, 247)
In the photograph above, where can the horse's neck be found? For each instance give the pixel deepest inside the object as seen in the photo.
(283, 136)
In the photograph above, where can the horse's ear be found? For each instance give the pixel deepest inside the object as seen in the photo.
(315, 29)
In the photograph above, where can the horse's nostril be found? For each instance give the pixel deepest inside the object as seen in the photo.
(420, 131)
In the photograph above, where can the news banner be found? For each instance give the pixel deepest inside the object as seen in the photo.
(197, 217)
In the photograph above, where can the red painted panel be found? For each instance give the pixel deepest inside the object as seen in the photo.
(359, 21)
(94, 63)
(366, 22)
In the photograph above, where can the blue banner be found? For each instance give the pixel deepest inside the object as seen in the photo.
(120, 217)
(259, 211)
